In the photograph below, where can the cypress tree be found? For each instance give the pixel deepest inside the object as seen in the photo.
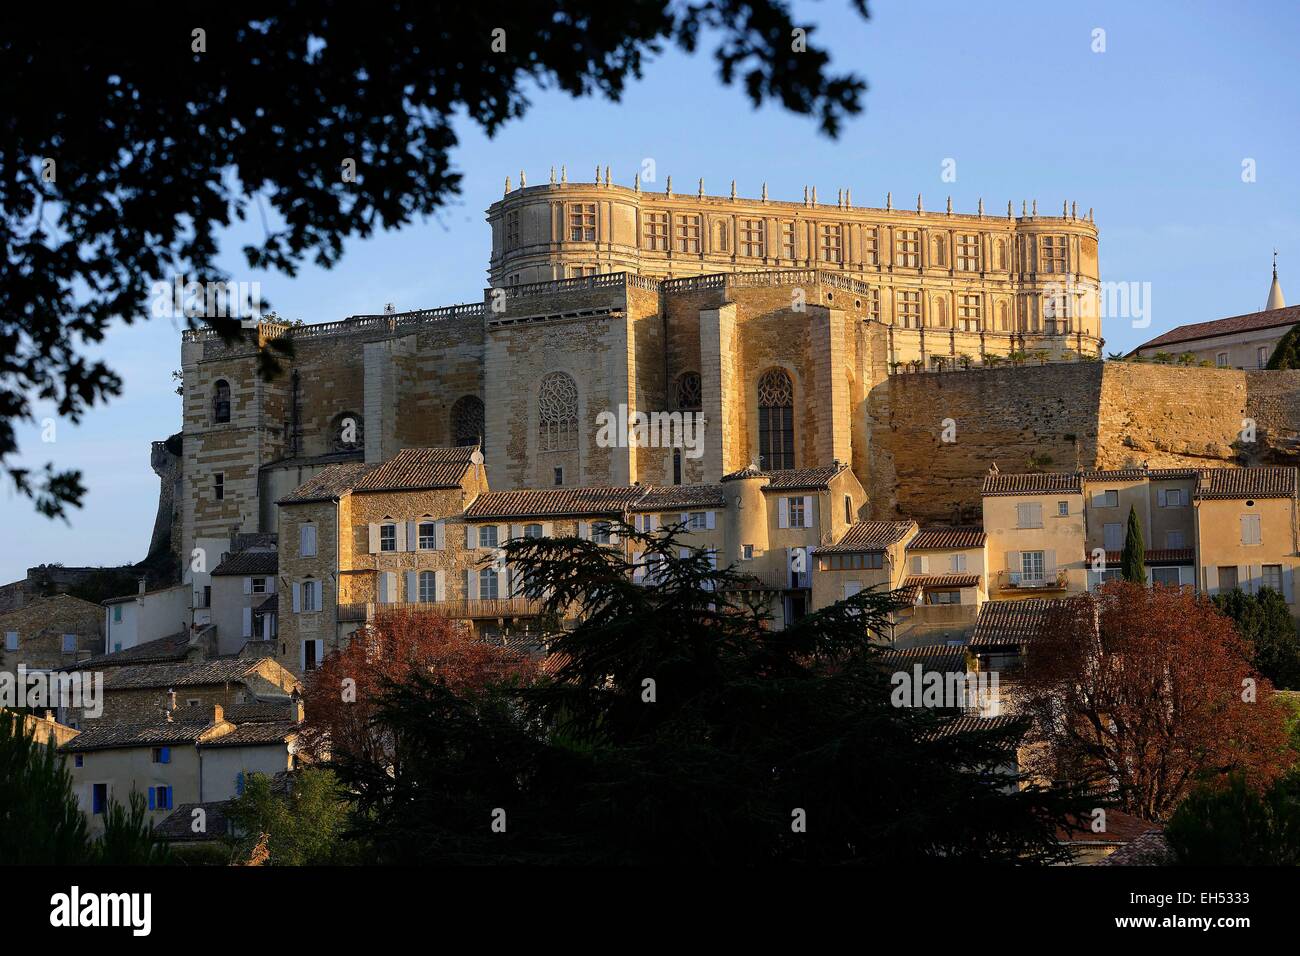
(1287, 353)
(1133, 563)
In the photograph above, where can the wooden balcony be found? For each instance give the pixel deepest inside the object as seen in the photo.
(459, 609)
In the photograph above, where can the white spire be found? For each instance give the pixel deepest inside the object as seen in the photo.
(1275, 298)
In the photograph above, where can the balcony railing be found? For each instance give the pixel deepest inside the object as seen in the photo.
(459, 609)
(1057, 580)
(769, 579)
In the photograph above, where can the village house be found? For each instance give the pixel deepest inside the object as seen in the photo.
(147, 615)
(243, 604)
(1246, 533)
(50, 633)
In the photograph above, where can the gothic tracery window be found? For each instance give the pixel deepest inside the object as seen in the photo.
(467, 421)
(689, 394)
(557, 412)
(776, 420)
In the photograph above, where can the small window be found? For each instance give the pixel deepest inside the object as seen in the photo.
(795, 508)
(160, 798)
(559, 474)
(311, 595)
(259, 585)
(1250, 534)
(1261, 357)
(306, 540)
(428, 535)
(117, 613)
(388, 537)
(747, 552)
(79, 760)
(1174, 540)
(1221, 360)
(207, 596)
(161, 755)
(221, 401)
(487, 584)
(1063, 509)
(1106, 499)
(1164, 576)
(11, 640)
(487, 536)
(219, 486)
(600, 532)
(1029, 515)
(69, 643)
(1172, 498)
(697, 521)
(1228, 578)
(428, 587)
(532, 531)
(677, 466)
(1272, 577)
(309, 661)
(99, 798)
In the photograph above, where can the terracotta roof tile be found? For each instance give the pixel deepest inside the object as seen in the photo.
(1046, 483)
(970, 723)
(417, 468)
(554, 502)
(791, 479)
(326, 484)
(1012, 623)
(178, 827)
(164, 649)
(106, 735)
(932, 657)
(1268, 482)
(927, 581)
(252, 733)
(1250, 322)
(870, 536)
(677, 497)
(249, 562)
(188, 674)
(947, 539)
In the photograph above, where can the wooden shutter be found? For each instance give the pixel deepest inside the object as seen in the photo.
(440, 585)
(808, 512)
(412, 536)
(248, 585)
(710, 520)
(1211, 579)
(297, 597)
(440, 535)
(1013, 561)
(470, 592)
(374, 538)
(584, 530)
(783, 513)
(548, 529)
(470, 543)
(412, 587)
(399, 536)
(270, 584)
(248, 622)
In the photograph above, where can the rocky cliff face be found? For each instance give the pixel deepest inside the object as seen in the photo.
(165, 459)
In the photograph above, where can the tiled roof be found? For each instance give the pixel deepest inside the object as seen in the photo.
(947, 539)
(249, 562)
(1011, 623)
(1250, 322)
(1046, 483)
(105, 735)
(968, 724)
(1158, 556)
(673, 497)
(927, 581)
(254, 733)
(188, 674)
(1149, 849)
(262, 712)
(870, 536)
(178, 826)
(164, 649)
(327, 483)
(933, 657)
(1269, 482)
(255, 540)
(1121, 828)
(308, 461)
(790, 479)
(1138, 474)
(554, 502)
(413, 468)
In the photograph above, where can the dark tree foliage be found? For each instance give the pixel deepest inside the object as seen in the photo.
(1238, 826)
(679, 727)
(128, 838)
(1287, 352)
(1133, 561)
(158, 140)
(1265, 621)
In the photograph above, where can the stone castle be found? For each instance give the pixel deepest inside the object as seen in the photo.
(790, 327)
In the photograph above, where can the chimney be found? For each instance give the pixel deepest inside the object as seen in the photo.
(171, 701)
(218, 714)
(296, 710)
(142, 582)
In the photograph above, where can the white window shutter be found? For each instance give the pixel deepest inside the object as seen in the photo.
(412, 536)
(374, 538)
(248, 622)
(502, 531)
(548, 529)
(584, 531)
(1049, 564)
(807, 511)
(1013, 561)
(470, 592)
(1162, 497)
(248, 585)
(1211, 579)
(1288, 586)
(516, 531)
(469, 537)
(654, 522)
(440, 535)
(440, 585)
(302, 652)
(503, 582)
(297, 597)
(783, 513)
(916, 564)
(412, 587)
(686, 517)
(1256, 574)
(270, 584)
(320, 652)
(710, 519)
(399, 536)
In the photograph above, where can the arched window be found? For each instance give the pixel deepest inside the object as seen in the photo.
(689, 394)
(221, 401)
(1004, 320)
(557, 413)
(467, 421)
(677, 466)
(348, 432)
(940, 312)
(776, 420)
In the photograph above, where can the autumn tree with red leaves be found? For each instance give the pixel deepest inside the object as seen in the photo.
(1148, 691)
(341, 695)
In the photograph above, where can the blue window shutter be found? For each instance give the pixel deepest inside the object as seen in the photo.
(169, 797)
(152, 798)
(239, 784)
(166, 755)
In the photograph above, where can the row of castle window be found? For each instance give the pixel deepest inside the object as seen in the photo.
(682, 232)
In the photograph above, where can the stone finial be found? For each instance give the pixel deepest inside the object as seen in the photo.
(1090, 219)
(1065, 209)
(889, 201)
(668, 190)
(805, 195)
(839, 198)
(814, 198)
(1034, 210)
(606, 175)
(598, 174)
(1024, 208)
(552, 175)
(980, 208)
(764, 192)
(1010, 214)
(564, 175)
(523, 180)
(733, 190)
(950, 205)
(848, 198)
(919, 206)
(700, 194)
(1074, 210)
(636, 181)
(507, 185)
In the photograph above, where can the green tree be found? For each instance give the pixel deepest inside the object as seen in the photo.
(122, 174)
(1133, 561)
(128, 838)
(1265, 621)
(1287, 352)
(678, 727)
(303, 824)
(1235, 825)
(40, 822)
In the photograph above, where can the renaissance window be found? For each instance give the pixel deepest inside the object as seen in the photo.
(908, 248)
(968, 252)
(656, 231)
(557, 407)
(428, 587)
(219, 486)
(908, 308)
(871, 247)
(427, 536)
(487, 536)
(488, 584)
(776, 420)
(512, 230)
(787, 240)
(751, 238)
(1052, 254)
(688, 234)
(221, 401)
(831, 244)
(582, 222)
(969, 312)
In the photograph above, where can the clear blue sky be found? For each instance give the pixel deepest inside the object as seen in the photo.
(1152, 133)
